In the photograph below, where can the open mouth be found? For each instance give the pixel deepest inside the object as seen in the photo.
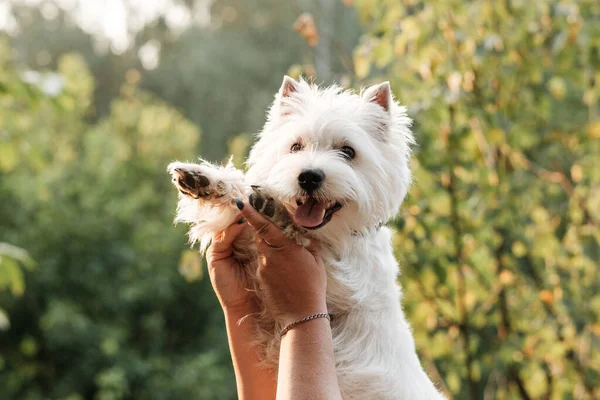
(314, 214)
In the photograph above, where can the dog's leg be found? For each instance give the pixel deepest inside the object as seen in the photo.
(275, 211)
(206, 197)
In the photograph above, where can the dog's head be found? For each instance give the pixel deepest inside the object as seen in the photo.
(336, 159)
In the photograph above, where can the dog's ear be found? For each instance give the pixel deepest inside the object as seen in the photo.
(288, 87)
(379, 94)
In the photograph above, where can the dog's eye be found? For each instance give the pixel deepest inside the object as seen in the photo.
(347, 152)
(296, 147)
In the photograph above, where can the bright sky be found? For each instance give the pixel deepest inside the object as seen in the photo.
(109, 18)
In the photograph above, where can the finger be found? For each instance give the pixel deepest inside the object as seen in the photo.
(221, 246)
(264, 228)
(314, 247)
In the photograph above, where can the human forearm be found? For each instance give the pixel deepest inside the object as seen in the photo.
(253, 382)
(307, 364)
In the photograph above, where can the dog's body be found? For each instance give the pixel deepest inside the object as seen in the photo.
(333, 166)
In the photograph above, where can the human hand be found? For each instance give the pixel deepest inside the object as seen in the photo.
(228, 276)
(292, 278)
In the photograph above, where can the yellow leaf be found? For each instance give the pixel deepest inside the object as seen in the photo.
(493, 179)
(506, 277)
(454, 81)
(593, 130)
(453, 331)
(306, 27)
(495, 136)
(557, 87)
(546, 296)
(414, 209)
(539, 215)
(190, 265)
(440, 205)
(9, 156)
(132, 76)
(383, 53)
(400, 45)
(445, 179)
(362, 65)
(470, 300)
(295, 71)
(519, 249)
(238, 147)
(453, 381)
(576, 173)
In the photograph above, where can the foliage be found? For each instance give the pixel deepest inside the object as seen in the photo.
(498, 241)
(221, 76)
(11, 276)
(106, 314)
(499, 238)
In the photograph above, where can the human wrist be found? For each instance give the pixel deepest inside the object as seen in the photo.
(308, 319)
(295, 315)
(240, 310)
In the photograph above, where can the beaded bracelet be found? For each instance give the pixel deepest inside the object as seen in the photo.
(303, 320)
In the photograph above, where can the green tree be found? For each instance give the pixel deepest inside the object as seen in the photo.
(499, 240)
(221, 75)
(106, 314)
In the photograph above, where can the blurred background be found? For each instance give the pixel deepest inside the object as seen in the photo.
(499, 239)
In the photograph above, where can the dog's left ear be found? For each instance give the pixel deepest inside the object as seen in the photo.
(380, 94)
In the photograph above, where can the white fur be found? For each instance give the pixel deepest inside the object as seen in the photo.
(374, 349)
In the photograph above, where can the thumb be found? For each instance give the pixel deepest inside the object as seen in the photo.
(221, 246)
(264, 228)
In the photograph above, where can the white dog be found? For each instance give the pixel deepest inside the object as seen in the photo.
(330, 165)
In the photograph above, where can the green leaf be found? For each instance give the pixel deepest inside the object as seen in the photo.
(28, 346)
(11, 276)
(9, 156)
(18, 254)
(4, 321)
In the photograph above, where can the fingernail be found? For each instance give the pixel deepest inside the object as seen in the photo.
(239, 203)
(241, 221)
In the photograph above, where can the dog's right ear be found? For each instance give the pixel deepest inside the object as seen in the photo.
(288, 87)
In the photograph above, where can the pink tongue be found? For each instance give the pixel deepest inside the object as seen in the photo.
(310, 214)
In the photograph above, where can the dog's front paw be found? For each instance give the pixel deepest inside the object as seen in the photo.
(277, 213)
(195, 181)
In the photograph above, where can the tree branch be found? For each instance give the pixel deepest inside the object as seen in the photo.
(458, 249)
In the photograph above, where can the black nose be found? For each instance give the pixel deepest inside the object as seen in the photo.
(311, 179)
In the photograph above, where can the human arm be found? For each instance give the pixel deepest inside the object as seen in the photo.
(252, 380)
(294, 282)
(306, 363)
(230, 282)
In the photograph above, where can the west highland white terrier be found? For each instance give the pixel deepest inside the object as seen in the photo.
(329, 165)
